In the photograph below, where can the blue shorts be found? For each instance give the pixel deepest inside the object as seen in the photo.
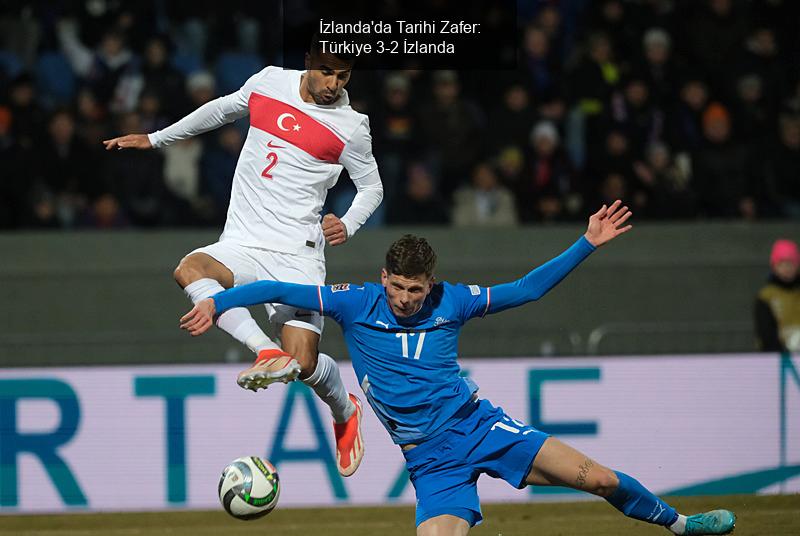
(445, 469)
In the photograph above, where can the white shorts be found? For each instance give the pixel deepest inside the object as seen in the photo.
(249, 264)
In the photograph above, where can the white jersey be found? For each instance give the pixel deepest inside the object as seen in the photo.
(293, 154)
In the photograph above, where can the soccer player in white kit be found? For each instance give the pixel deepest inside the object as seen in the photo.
(302, 132)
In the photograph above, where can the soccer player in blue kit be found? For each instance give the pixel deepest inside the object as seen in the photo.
(402, 336)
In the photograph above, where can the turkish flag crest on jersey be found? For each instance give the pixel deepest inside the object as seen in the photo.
(296, 127)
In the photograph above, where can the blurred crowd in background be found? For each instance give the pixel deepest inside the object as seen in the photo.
(686, 109)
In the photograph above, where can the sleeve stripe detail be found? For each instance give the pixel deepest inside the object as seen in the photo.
(319, 293)
(488, 300)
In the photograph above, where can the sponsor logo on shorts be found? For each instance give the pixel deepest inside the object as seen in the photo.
(302, 313)
(341, 287)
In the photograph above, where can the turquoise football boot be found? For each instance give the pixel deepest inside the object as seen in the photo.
(713, 522)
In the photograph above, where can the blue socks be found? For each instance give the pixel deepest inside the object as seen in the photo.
(636, 501)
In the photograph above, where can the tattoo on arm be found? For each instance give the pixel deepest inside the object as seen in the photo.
(583, 472)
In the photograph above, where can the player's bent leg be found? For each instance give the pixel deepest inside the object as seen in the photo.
(445, 525)
(558, 464)
(321, 373)
(303, 344)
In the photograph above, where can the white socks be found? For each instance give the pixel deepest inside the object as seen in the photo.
(327, 383)
(679, 527)
(237, 321)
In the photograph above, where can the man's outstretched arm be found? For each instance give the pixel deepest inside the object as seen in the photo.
(211, 115)
(604, 225)
(201, 317)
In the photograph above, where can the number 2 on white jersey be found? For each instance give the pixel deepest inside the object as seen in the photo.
(272, 158)
(404, 341)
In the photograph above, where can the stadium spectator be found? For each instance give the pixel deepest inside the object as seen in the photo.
(781, 169)
(666, 182)
(719, 169)
(510, 164)
(589, 86)
(92, 122)
(485, 203)
(752, 114)
(541, 66)
(157, 77)
(611, 19)
(760, 56)
(136, 179)
(685, 121)
(777, 306)
(104, 68)
(395, 135)
(547, 177)
(218, 164)
(591, 83)
(552, 108)
(659, 69)
(551, 22)
(613, 186)
(200, 88)
(182, 178)
(419, 203)
(713, 32)
(151, 112)
(65, 167)
(27, 120)
(516, 114)
(615, 155)
(44, 212)
(105, 213)
(634, 113)
(450, 126)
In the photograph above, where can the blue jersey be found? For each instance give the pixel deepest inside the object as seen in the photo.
(407, 367)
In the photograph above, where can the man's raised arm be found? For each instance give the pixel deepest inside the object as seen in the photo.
(209, 116)
(604, 225)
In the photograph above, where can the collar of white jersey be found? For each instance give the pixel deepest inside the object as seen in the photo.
(343, 100)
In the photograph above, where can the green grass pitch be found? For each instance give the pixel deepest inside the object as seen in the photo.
(756, 515)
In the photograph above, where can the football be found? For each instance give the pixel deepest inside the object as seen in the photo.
(249, 488)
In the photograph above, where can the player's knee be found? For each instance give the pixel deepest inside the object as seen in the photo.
(187, 272)
(604, 482)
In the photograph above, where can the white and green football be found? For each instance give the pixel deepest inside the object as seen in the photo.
(249, 488)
